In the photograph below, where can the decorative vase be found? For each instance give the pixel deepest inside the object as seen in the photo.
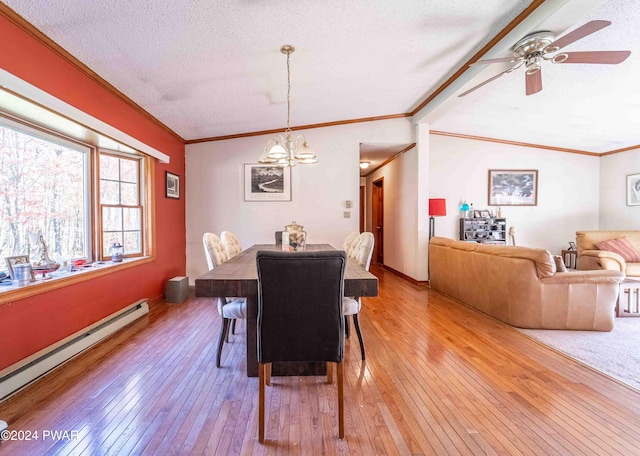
(297, 236)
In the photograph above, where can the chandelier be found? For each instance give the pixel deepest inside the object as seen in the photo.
(285, 150)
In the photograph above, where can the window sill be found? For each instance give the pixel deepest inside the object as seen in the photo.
(12, 293)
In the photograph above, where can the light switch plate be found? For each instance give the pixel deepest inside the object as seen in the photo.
(348, 204)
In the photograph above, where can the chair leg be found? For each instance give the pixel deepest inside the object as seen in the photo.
(329, 372)
(261, 394)
(356, 323)
(223, 333)
(340, 403)
(347, 328)
(226, 339)
(267, 374)
(233, 326)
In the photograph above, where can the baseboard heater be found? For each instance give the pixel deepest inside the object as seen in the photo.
(21, 374)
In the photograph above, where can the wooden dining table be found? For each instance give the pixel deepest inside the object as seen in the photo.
(239, 277)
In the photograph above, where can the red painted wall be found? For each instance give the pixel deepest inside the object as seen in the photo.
(31, 324)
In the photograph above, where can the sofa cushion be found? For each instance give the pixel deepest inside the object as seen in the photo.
(622, 247)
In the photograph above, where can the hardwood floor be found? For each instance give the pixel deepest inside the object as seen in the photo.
(439, 378)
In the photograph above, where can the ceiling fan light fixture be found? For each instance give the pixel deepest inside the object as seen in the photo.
(537, 47)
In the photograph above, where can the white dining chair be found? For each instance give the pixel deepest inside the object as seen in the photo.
(230, 309)
(350, 242)
(362, 253)
(231, 243)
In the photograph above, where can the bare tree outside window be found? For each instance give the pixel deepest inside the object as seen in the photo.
(42, 189)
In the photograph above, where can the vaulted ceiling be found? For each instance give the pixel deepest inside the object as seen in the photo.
(213, 69)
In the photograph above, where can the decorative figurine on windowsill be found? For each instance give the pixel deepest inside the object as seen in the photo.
(38, 249)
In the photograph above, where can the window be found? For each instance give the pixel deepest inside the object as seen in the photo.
(120, 204)
(44, 190)
(46, 185)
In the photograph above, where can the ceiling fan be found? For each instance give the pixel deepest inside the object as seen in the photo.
(537, 47)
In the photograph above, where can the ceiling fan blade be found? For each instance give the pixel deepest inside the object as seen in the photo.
(577, 34)
(604, 57)
(485, 82)
(533, 81)
(503, 59)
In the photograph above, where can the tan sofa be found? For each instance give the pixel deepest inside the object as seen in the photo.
(520, 286)
(589, 257)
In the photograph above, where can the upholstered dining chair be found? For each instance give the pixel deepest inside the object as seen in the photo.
(300, 316)
(362, 252)
(231, 243)
(350, 242)
(230, 309)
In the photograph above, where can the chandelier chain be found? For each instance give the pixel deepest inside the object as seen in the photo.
(288, 93)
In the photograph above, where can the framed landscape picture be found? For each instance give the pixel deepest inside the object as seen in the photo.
(512, 187)
(266, 183)
(633, 190)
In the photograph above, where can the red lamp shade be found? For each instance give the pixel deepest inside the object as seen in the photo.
(437, 207)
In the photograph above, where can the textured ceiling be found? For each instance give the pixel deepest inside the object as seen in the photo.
(208, 69)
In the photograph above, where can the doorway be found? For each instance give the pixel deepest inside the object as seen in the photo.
(377, 219)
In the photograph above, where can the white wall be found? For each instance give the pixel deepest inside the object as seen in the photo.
(614, 212)
(568, 188)
(215, 188)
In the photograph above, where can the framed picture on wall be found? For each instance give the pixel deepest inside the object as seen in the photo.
(633, 190)
(172, 185)
(513, 187)
(266, 183)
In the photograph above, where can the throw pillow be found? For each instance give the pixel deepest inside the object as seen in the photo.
(560, 266)
(622, 247)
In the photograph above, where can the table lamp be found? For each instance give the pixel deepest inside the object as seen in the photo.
(437, 208)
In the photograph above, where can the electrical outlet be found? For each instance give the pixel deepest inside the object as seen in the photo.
(347, 214)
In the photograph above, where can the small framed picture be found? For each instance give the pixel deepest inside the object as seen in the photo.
(171, 185)
(485, 214)
(477, 214)
(20, 259)
(572, 245)
(633, 190)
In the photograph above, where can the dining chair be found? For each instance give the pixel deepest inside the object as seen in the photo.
(230, 309)
(350, 242)
(231, 243)
(300, 316)
(362, 253)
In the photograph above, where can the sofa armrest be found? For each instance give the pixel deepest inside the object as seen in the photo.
(599, 276)
(608, 260)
